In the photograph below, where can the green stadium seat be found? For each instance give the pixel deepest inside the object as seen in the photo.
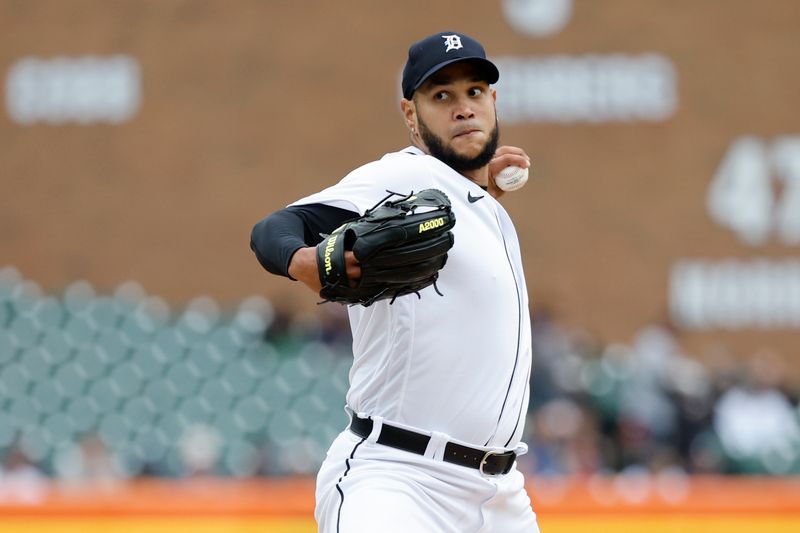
(8, 430)
(36, 443)
(297, 373)
(129, 295)
(69, 380)
(285, 427)
(15, 379)
(60, 429)
(195, 410)
(82, 414)
(10, 277)
(162, 393)
(153, 443)
(46, 313)
(103, 396)
(237, 377)
(172, 425)
(205, 360)
(171, 343)
(56, 346)
(24, 413)
(254, 316)
(78, 296)
(113, 346)
(183, 378)
(78, 331)
(34, 361)
(140, 411)
(126, 379)
(24, 331)
(251, 414)
(23, 296)
(46, 397)
(219, 395)
(9, 349)
(241, 459)
(114, 430)
(90, 362)
(275, 392)
(102, 313)
(148, 361)
(5, 314)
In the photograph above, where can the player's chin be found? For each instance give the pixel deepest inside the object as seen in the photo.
(470, 145)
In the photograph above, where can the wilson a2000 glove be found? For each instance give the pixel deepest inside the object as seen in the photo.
(400, 245)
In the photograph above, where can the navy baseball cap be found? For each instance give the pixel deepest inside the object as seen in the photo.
(439, 50)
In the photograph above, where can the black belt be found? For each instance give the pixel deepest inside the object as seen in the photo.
(487, 462)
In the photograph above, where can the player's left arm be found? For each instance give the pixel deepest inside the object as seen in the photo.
(505, 156)
(278, 239)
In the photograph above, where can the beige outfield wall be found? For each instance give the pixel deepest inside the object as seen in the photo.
(142, 139)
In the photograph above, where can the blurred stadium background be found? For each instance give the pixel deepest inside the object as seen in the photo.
(154, 378)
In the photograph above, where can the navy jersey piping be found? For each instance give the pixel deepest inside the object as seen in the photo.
(516, 357)
(339, 489)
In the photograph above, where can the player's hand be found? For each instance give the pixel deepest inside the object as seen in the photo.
(505, 156)
(303, 267)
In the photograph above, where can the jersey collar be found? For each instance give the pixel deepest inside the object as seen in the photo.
(413, 150)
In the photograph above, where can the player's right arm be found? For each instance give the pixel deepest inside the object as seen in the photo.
(285, 242)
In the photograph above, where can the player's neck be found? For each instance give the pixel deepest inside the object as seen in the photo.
(479, 176)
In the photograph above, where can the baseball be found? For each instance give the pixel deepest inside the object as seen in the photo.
(511, 178)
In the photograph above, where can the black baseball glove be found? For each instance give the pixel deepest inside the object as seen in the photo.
(400, 245)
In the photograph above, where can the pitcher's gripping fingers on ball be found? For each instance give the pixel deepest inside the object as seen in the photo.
(505, 157)
(512, 178)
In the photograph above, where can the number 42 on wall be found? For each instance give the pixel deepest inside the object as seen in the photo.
(756, 190)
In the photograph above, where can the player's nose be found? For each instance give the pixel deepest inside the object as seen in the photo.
(464, 111)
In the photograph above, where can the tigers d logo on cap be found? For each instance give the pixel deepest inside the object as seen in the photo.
(439, 50)
(452, 42)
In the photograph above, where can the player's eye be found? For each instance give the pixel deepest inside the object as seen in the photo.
(475, 91)
(441, 96)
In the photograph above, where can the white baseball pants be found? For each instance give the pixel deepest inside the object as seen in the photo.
(365, 487)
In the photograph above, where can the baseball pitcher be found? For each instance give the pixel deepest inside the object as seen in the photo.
(429, 262)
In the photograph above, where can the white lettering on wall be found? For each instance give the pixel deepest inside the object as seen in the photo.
(83, 89)
(743, 196)
(735, 294)
(537, 18)
(591, 88)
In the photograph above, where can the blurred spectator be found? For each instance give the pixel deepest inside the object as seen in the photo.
(564, 440)
(200, 449)
(755, 421)
(88, 462)
(20, 480)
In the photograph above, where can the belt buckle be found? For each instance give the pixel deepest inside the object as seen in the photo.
(483, 462)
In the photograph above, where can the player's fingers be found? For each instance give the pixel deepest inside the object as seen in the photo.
(352, 266)
(511, 159)
(505, 149)
(511, 155)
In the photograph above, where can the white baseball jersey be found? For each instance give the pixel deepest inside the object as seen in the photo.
(458, 364)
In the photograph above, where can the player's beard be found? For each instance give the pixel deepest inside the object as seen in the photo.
(449, 157)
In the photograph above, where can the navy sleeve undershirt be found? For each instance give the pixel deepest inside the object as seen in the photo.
(276, 238)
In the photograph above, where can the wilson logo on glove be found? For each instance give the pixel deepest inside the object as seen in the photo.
(328, 251)
(401, 245)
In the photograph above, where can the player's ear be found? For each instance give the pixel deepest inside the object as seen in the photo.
(494, 94)
(409, 113)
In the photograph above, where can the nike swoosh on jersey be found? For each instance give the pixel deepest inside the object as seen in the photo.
(473, 199)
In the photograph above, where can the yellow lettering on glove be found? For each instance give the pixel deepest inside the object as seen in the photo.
(431, 224)
(328, 252)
